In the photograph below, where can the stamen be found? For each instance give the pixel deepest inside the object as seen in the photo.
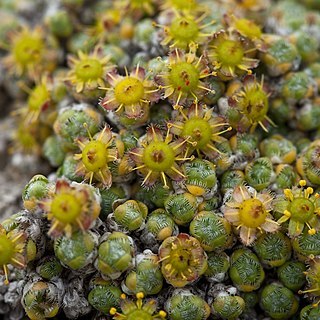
(5, 269)
(17, 262)
(263, 126)
(146, 177)
(178, 172)
(139, 167)
(164, 180)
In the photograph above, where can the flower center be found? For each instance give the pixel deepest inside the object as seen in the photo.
(199, 130)
(27, 49)
(139, 315)
(184, 30)
(88, 69)
(6, 250)
(183, 4)
(158, 156)
(230, 53)
(94, 156)
(184, 76)
(252, 213)
(129, 91)
(65, 208)
(179, 259)
(301, 209)
(38, 97)
(255, 104)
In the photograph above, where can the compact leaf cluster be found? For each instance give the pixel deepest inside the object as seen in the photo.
(184, 142)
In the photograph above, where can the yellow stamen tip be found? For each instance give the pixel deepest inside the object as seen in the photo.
(310, 190)
(162, 314)
(113, 311)
(302, 183)
(140, 295)
(123, 296)
(312, 231)
(287, 213)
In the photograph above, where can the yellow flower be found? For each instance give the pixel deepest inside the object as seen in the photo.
(137, 310)
(28, 53)
(202, 127)
(12, 245)
(70, 207)
(184, 77)
(87, 72)
(158, 157)
(131, 94)
(301, 209)
(249, 211)
(230, 55)
(95, 155)
(185, 29)
(252, 102)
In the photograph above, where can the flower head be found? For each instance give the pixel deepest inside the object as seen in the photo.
(247, 28)
(27, 138)
(184, 29)
(202, 127)
(87, 71)
(313, 279)
(28, 53)
(183, 260)
(229, 54)
(249, 211)
(130, 94)
(137, 8)
(12, 246)
(39, 100)
(158, 157)
(137, 310)
(70, 207)
(252, 101)
(301, 209)
(183, 5)
(106, 23)
(184, 77)
(96, 153)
